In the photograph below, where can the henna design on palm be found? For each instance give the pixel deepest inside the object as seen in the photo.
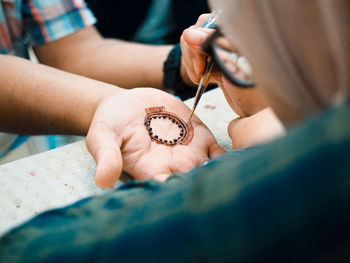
(167, 128)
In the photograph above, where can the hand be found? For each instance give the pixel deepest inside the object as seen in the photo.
(118, 139)
(259, 128)
(244, 102)
(193, 58)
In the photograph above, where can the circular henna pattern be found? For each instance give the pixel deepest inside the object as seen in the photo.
(167, 128)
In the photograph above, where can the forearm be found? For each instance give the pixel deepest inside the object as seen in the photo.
(114, 61)
(37, 99)
(128, 65)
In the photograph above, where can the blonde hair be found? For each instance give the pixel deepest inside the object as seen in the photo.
(298, 48)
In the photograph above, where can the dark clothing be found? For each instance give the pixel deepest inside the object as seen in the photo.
(287, 201)
(122, 19)
(118, 19)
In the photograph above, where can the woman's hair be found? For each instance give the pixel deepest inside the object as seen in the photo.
(298, 48)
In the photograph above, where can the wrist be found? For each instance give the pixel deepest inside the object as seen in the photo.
(93, 99)
(175, 78)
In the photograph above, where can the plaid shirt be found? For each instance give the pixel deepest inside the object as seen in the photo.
(26, 23)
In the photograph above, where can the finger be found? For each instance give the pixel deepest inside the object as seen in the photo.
(201, 19)
(193, 56)
(105, 149)
(199, 62)
(186, 61)
(161, 177)
(109, 167)
(216, 150)
(195, 37)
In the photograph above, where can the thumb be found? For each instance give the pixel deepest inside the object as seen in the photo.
(109, 167)
(104, 146)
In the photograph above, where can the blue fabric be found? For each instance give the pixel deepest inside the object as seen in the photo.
(287, 201)
(51, 141)
(19, 141)
(9, 142)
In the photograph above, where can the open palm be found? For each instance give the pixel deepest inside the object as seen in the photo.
(118, 139)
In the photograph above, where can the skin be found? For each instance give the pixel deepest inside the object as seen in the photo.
(117, 62)
(257, 123)
(121, 63)
(37, 99)
(256, 129)
(41, 100)
(244, 102)
(123, 142)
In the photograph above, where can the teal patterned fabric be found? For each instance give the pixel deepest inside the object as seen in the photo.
(287, 201)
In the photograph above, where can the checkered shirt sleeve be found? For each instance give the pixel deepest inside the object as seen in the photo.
(49, 20)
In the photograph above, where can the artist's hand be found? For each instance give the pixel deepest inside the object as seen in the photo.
(245, 102)
(193, 58)
(118, 139)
